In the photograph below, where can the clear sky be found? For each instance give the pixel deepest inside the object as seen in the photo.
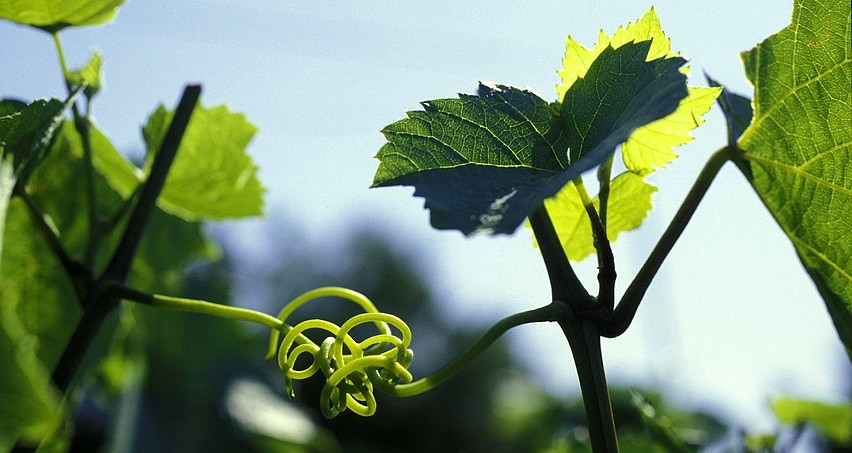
(732, 319)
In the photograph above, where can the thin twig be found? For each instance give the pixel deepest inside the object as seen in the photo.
(606, 259)
(626, 309)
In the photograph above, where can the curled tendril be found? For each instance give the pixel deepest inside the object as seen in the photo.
(351, 368)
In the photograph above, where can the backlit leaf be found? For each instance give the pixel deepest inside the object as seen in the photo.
(27, 273)
(833, 420)
(54, 15)
(484, 162)
(121, 175)
(629, 204)
(578, 59)
(650, 146)
(799, 144)
(29, 405)
(212, 176)
(28, 132)
(89, 74)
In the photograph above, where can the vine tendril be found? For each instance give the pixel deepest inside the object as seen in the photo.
(351, 367)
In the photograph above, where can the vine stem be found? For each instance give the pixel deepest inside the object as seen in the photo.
(606, 259)
(98, 302)
(584, 338)
(581, 327)
(632, 297)
(83, 125)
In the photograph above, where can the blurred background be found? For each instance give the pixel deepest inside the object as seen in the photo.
(731, 322)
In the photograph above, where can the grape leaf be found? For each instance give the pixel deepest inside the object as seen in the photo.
(90, 75)
(121, 175)
(799, 144)
(833, 420)
(484, 162)
(28, 132)
(39, 311)
(212, 176)
(29, 271)
(29, 406)
(737, 110)
(650, 146)
(629, 204)
(11, 106)
(54, 15)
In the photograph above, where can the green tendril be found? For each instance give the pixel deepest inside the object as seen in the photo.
(351, 367)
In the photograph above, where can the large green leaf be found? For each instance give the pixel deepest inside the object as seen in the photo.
(121, 175)
(30, 407)
(799, 144)
(212, 176)
(54, 15)
(484, 162)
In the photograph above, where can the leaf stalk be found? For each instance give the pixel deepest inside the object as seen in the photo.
(632, 297)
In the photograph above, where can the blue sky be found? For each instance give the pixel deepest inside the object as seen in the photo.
(732, 319)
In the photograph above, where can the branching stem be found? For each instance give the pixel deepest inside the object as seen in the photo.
(581, 325)
(80, 277)
(82, 123)
(564, 283)
(626, 310)
(97, 300)
(583, 335)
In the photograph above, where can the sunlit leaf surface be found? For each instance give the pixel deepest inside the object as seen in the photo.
(54, 15)
(484, 162)
(650, 146)
(629, 204)
(212, 176)
(799, 144)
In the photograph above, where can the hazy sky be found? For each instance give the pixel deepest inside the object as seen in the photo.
(732, 319)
